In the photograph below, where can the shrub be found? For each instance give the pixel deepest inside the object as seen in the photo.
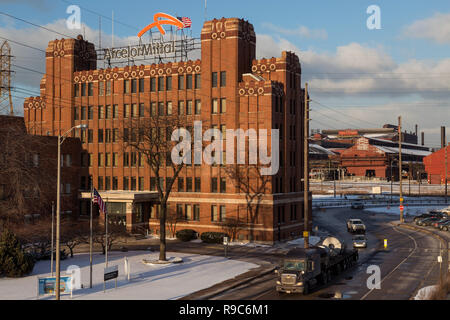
(186, 235)
(213, 237)
(14, 262)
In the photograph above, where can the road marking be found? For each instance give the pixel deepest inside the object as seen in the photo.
(415, 247)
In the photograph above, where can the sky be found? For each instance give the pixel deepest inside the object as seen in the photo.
(358, 78)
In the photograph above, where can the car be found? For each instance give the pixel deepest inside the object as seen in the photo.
(428, 221)
(445, 226)
(356, 226)
(429, 215)
(438, 223)
(357, 205)
(359, 241)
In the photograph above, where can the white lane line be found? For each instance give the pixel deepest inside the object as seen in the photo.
(415, 247)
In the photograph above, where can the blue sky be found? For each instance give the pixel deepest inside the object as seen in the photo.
(409, 54)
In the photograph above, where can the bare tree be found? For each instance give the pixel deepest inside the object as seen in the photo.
(172, 219)
(115, 231)
(231, 227)
(250, 182)
(151, 137)
(74, 233)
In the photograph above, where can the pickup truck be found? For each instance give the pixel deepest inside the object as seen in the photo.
(356, 226)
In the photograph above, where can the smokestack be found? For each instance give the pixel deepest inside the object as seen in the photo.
(416, 130)
(423, 138)
(443, 143)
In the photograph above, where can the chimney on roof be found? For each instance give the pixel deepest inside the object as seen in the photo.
(443, 143)
(416, 130)
(423, 138)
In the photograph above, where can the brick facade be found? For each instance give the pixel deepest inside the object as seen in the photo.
(250, 93)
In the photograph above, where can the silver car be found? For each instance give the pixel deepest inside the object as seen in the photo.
(359, 241)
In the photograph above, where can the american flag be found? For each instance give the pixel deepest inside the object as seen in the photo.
(98, 200)
(187, 22)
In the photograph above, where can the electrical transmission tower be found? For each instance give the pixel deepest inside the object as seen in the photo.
(5, 78)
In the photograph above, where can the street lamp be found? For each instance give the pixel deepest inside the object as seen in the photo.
(58, 204)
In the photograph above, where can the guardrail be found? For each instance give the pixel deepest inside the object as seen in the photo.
(375, 202)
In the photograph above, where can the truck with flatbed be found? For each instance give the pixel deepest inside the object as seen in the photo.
(302, 269)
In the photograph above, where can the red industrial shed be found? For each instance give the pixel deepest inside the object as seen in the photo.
(435, 166)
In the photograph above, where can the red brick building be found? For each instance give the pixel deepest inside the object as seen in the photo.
(435, 166)
(228, 88)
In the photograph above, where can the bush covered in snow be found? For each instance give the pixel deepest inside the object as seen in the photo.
(14, 262)
(213, 237)
(186, 235)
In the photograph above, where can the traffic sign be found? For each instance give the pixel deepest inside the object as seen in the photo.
(305, 234)
(402, 207)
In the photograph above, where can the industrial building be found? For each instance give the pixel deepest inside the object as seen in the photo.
(435, 165)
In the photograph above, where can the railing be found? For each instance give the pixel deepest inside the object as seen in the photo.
(376, 202)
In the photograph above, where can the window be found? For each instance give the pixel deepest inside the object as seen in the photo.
(223, 78)
(115, 135)
(90, 159)
(125, 183)
(83, 113)
(90, 89)
(140, 159)
(223, 105)
(90, 112)
(198, 82)
(141, 85)
(188, 184)
(133, 85)
(101, 88)
(101, 112)
(160, 83)
(108, 88)
(223, 185)
(198, 187)
(133, 184)
(141, 183)
(169, 107)
(180, 184)
(133, 159)
(214, 185)
(108, 112)
(214, 79)
(82, 184)
(36, 160)
(214, 213)
(169, 83)
(134, 110)
(189, 81)
(152, 84)
(83, 89)
(90, 135)
(188, 211)
(126, 86)
(214, 106)
(196, 212)
(180, 107)
(115, 159)
(198, 106)
(100, 135)
(152, 184)
(141, 109)
(160, 108)
(115, 183)
(223, 213)
(75, 114)
(153, 109)
(115, 111)
(107, 159)
(84, 158)
(107, 183)
(100, 160)
(126, 159)
(189, 107)
(83, 136)
(180, 82)
(76, 90)
(126, 110)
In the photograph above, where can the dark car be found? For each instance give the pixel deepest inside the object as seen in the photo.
(445, 226)
(357, 205)
(438, 223)
(428, 221)
(430, 215)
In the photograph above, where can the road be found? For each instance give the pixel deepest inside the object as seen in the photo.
(409, 263)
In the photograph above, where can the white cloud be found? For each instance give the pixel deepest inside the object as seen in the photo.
(301, 31)
(435, 28)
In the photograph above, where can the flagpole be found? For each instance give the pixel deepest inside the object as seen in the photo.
(106, 237)
(90, 240)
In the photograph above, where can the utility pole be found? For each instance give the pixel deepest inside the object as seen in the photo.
(446, 169)
(400, 165)
(5, 77)
(306, 169)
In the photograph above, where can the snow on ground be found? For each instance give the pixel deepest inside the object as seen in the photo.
(426, 293)
(155, 282)
(409, 210)
(300, 242)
